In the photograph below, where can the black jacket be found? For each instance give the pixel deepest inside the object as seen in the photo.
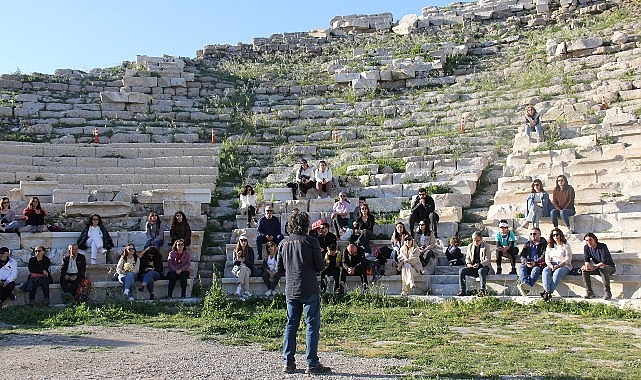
(107, 243)
(540, 252)
(300, 260)
(81, 263)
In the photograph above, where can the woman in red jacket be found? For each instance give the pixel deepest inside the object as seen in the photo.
(34, 217)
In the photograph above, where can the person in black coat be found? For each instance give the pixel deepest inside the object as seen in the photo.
(424, 207)
(72, 272)
(96, 237)
(354, 264)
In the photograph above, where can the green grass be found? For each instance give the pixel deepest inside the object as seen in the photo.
(452, 339)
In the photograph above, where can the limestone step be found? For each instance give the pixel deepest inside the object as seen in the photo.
(49, 173)
(124, 150)
(72, 161)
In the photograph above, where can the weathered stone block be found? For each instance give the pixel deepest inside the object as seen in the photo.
(104, 209)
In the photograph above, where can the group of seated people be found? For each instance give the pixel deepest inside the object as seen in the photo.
(549, 259)
(94, 238)
(307, 178)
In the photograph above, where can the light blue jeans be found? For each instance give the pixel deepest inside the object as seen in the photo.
(295, 307)
(128, 280)
(149, 278)
(538, 128)
(529, 275)
(565, 215)
(552, 279)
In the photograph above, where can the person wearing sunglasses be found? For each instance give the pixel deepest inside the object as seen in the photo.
(96, 237)
(150, 270)
(39, 274)
(409, 264)
(8, 222)
(178, 265)
(532, 261)
(270, 274)
(537, 204)
(424, 207)
(127, 269)
(558, 260)
(268, 230)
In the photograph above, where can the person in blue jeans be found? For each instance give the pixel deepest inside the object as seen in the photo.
(558, 260)
(155, 231)
(150, 270)
(532, 261)
(300, 260)
(268, 229)
(127, 269)
(563, 202)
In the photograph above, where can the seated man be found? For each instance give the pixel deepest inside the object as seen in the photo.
(72, 272)
(354, 264)
(333, 265)
(423, 207)
(8, 275)
(597, 260)
(477, 264)
(323, 177)
(304, 180)
(505, 246)
(268, 230)
(532, 261)
(326, 238)
(340, 213)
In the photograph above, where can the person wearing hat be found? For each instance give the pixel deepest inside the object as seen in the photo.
(243, 266)
(268, 230)
(505, 246)
(304, 180)
(8, 274)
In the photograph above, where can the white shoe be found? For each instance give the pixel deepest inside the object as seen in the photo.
(126, 292)
(238, 290)
(94, 261)
(131, 298)
(247, 293)
(269, 293)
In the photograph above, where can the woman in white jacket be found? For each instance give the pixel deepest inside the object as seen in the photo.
(409, 264)
(558, 258)
(248, 204)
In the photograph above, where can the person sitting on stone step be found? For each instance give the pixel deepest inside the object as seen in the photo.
(155, 230)
(424, 207)
(340, 213)
(563, 202)
(95, 237)
(150, 270)
(333, 265)
(268, 230)
(180, 228)
(271, 275)
(364, 229)
(453, 253)
(558, 261)
(34, 216)
(8, 275)
(127, 269)
(178, 268)
(248, 204)
(533, 122)
(398, 239)
(303, 181)
(425, 242)
(72, 272)
(537, 205)
(326, 238)
(532, 261)
(597, 260)
(505, 246)
(354, 264)
(324, 178)
(477, 264)
(409, 264)
(8, 217)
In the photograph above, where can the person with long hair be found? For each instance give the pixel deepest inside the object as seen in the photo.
(398, 238)
(96, 237)
(248, 204)
(127, 268)
(155, 230)
(364, 229)
(563, 202)
(39, 274)
(537, 205)
(150, 270)
(271, 275)
(34, 216)
(178, 264)
(453, 253)
(243, 265)
(409, 264)
(558, 258)
(8, 222)
(533, 122)
(597, 260)
(180, 228)
(425, 242)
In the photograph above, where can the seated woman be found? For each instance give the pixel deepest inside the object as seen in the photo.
(562, 202)
(127, 268)
(533, 122)
(453, 253)
(558, 258)
(409, 264)
(96, 237)
(150, 270)
(180, 228)
(243, 265)
(271, 276)
(363, 229)
(155, 230)
(426, 241)
(178, 265)
(39, 274)
(398, 238)
(248, 204)
(8, 222)
(34, 217)
(537, 205)
(323, 177)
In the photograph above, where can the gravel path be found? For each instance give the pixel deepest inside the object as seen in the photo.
(135, 352)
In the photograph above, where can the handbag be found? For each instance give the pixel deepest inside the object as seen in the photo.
(235, 270)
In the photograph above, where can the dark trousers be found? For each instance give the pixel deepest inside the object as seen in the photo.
(69, 286)
(271, 282)
(330, 271)
(42, 282)
(363, 239)
(467, 271)
(605, 273)
(339, 222)
(251, 212)
(432, 217)
(5, 291)
(511, 253)
(173, 278)
(362, 272)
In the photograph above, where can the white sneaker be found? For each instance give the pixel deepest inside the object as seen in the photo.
(247, 293)
(131, 298)
(238, 290)
(94, 261)
(268, 293)
(126, 292)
